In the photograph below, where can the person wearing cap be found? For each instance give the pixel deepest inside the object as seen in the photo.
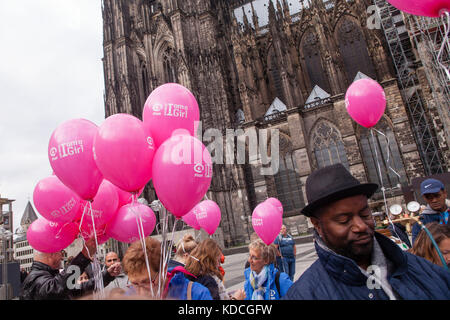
(437, 209)
(355, 262)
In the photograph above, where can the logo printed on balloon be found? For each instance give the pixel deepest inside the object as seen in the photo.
(66, 150)
(64, 209)
(257, 222)
(157, 109)
(203, 170)
(171, 110)
(150, 142)
(200, 214)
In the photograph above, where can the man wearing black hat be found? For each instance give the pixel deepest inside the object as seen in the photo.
(355, 262)
(437, 210)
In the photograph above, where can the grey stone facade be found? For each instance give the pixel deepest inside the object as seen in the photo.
(238, 67)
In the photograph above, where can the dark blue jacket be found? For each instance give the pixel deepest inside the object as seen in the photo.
(271, 292)
(334, 277)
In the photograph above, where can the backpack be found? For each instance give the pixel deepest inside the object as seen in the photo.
(277, 282)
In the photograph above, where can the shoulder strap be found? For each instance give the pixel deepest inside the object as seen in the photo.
(189, 290)
(277, 282)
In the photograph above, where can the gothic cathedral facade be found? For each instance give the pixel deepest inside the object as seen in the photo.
(256, 65)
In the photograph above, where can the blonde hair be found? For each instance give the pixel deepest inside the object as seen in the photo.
(203, 260)
(263, 248)
(186, 245)
(134, 259)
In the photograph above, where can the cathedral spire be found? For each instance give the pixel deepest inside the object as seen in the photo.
(246, 24)
(254, 16)
(272, 16)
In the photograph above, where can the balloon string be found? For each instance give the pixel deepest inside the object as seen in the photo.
(382, 185)
(142, 240)
(388, 152)
(99, 292)
(445, 41)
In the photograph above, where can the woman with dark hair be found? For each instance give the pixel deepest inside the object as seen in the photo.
(423, 246)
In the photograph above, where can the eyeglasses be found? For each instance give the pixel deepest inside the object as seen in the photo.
(253, 258)
(112, 260)
(142, 285)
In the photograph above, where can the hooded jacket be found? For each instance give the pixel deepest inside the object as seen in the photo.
(178, 285)
(46, 283)
(428, 215)
(271, 292)
(335, 277)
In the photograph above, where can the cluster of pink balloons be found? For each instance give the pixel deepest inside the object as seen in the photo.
(100, 171)
(267, 219)
(365, 101)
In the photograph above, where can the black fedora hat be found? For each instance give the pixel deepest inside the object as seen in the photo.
(333, 183)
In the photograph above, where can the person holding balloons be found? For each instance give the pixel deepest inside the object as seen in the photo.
(262, 280)
(203, 263)
(147, 279)
(46, 282)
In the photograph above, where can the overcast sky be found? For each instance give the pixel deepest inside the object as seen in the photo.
(50, 71)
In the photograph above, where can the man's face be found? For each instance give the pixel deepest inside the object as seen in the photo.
(347, 227)
(111, 258)
(436, 200)
(55, 260)
(283, 230)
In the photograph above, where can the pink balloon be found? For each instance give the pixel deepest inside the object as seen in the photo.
(124, 152)
(124, 226)
(104, 206)
(54, 201)
(87, 230)
(427, 8)
(365, 101)
(191, 220)
(71, 157)
(169, 107)
(182, 172)
(47, 236)
(125, 197)
(208, 215)
(267, 222)
(276, 203)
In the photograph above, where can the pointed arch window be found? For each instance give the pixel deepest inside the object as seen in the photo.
(375, 150)
(313, 61)
(145, 82)
(169, 65)
(353, 49)
(288, 185)
(328, 145)
(276, 76)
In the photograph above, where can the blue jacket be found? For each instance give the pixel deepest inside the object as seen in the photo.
(178, 289)
(334, 277)
(272, 293)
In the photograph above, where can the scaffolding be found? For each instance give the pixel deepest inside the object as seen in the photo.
(400, 46)
(429, 35)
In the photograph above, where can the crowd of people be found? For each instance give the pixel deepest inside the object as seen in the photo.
(354, 261)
